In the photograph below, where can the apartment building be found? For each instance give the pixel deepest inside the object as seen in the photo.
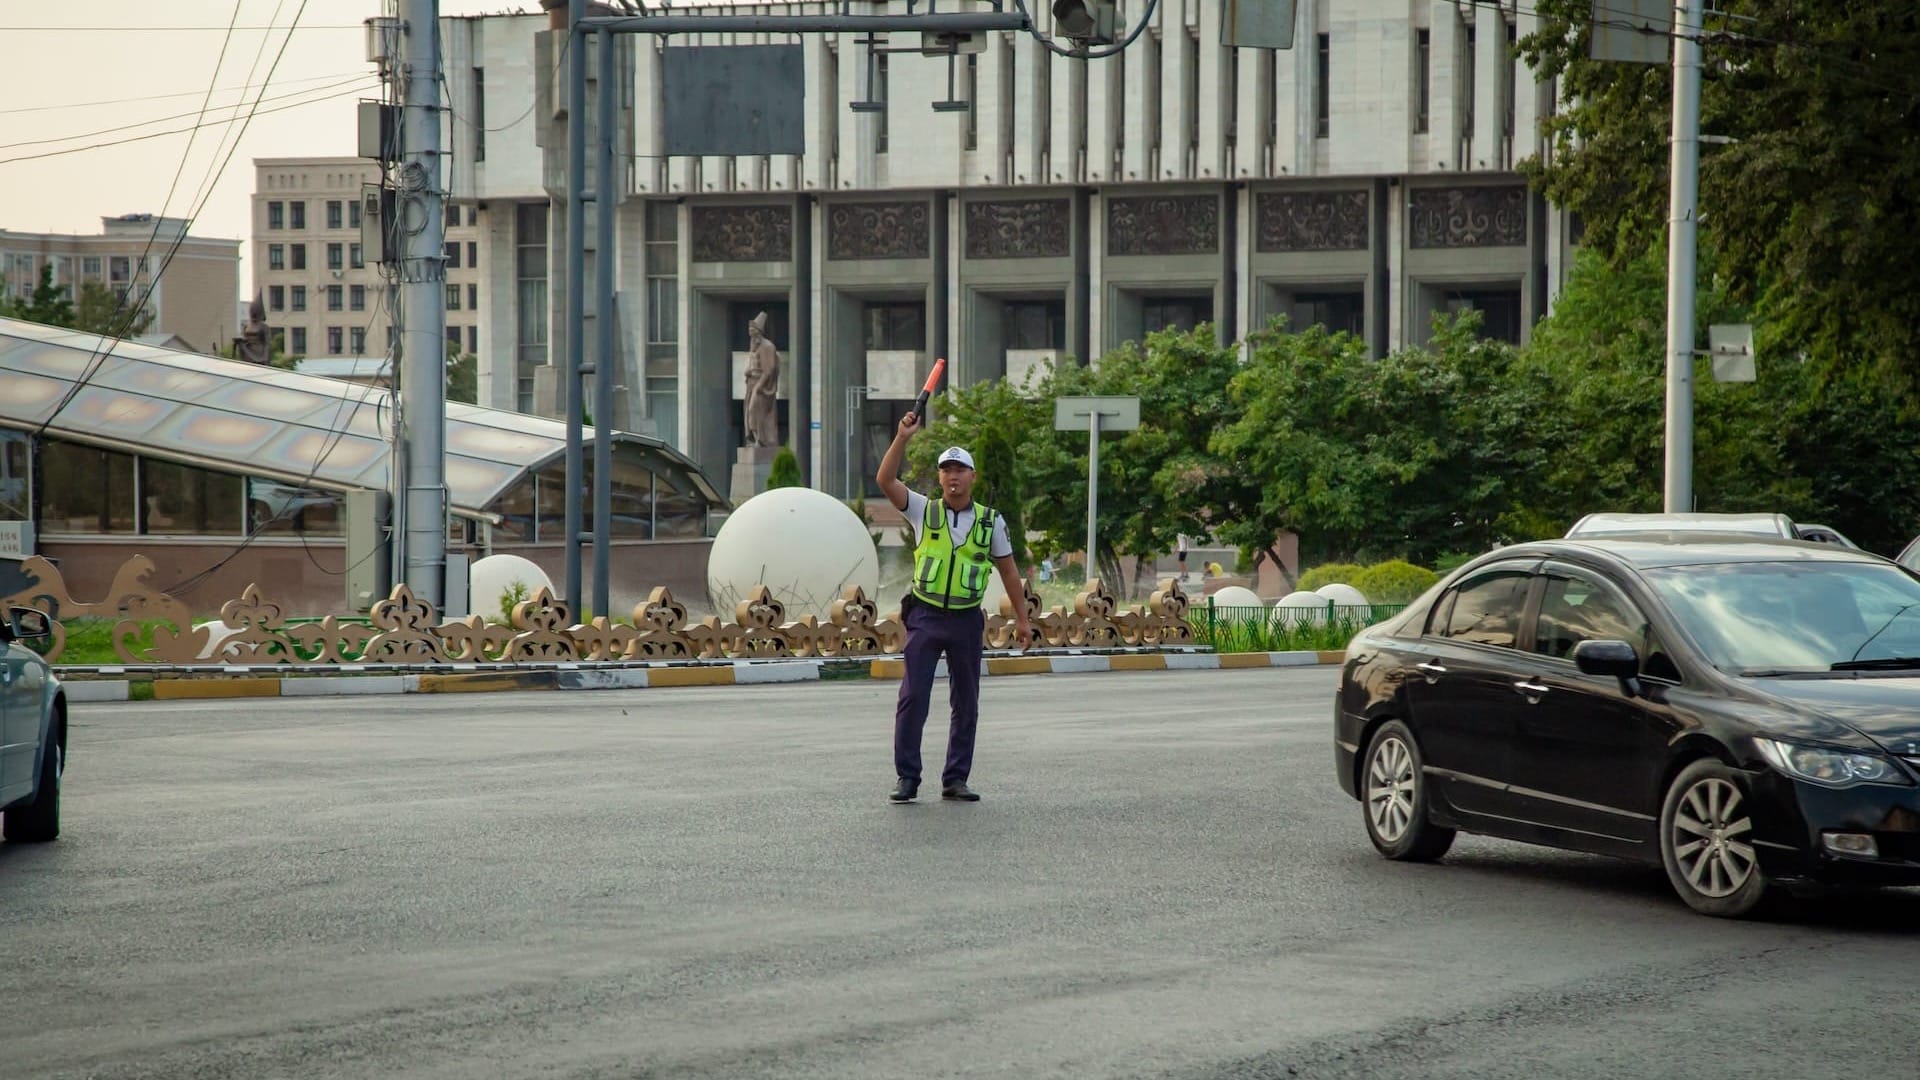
(192, 300)
(324, 292)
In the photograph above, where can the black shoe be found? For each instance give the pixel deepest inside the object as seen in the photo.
(960, 793)
(906, 790)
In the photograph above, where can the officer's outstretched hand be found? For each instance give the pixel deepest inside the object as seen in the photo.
(909, 424)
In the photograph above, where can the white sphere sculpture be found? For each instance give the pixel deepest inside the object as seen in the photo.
(494, 576)
(1343, 596)
(804, 545)
(1300, 609)
(1238, 599)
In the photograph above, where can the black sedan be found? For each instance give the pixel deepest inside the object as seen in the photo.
(1744, 712)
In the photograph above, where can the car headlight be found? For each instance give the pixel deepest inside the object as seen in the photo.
(1834, 768)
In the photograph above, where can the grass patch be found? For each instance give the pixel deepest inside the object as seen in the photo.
(1231, 630)
(90, 641)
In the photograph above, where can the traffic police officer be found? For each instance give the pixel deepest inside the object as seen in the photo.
(960, 544)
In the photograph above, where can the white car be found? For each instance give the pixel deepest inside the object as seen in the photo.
(33, 733)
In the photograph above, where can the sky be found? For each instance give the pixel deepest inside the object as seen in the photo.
(154, 60)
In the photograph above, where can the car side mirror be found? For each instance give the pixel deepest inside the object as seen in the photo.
(1607, 658)
(28, 624)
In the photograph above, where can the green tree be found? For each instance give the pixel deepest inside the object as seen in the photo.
(785, 471)
(1811, 208)
(100, 311)
(463, 375)
(48, 303)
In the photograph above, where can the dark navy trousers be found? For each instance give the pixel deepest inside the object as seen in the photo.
(932, 633)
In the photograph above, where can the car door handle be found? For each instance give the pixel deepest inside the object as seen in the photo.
(1533, 691)
(1431, 670)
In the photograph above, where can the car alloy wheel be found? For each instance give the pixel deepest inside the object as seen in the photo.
(1394, 791)
(1390, 784)
(1706, 841)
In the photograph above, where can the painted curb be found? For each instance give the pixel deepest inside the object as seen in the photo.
(737, 673)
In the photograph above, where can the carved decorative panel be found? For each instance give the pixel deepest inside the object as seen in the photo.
(1027, 229)
(1311, 221)
(898, 230)
(742, 234)
(1163, 225)
(1468, 217)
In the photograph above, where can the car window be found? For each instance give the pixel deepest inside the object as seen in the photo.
(1575, 608)
(1487, 609)
(1794, 615)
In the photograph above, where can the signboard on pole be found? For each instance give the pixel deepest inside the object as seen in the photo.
(1632, 31)
(1732, 350)
(1096, 414)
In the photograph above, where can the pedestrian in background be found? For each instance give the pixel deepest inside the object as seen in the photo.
(961, 543)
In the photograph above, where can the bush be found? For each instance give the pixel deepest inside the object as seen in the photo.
(1395, 582)
(1330, 574)
(785, 471)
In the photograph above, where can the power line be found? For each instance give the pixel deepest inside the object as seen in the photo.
(199, 114)
(170, 29)
(166, 97)
(173, 131)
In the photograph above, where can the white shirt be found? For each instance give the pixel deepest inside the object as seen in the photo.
(960, 524)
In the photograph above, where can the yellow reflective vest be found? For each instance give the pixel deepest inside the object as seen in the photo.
(952, 576)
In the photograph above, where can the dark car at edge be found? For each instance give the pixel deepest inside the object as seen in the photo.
(1744, 712)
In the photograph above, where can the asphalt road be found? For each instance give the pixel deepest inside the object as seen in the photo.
(1163, 881)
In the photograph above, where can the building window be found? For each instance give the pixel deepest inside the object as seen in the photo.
(276, 298)
(1181, 313)
(453, 252)
(1338, 312)
(1499, 310)
(357, 340)
(479, 114)
(90, 268)
(120, 271)
(299, 341)
(1510, 60)
(530, 298)
(1034, 324)
(973, 101)
(473, 297)
(1192, 117)
(353, 214)
(298, 301)
(276, 256)
(355, 261)
(85, 489)
(663, 320)
(336, 298)
(473, 340)
(1323, 87)
(1422, 80)
(453, 337)
(334, 209)
(182, 500)
(282, 508)
(16, 476)
(299, 216)
(473, 252)
(299, 252)
(879, 94)
(453, 298)
(1468, 65)
(357, 298)
(336, 256)
(276, 215)
(333, 341)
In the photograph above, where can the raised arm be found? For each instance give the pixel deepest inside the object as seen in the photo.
(889, 475)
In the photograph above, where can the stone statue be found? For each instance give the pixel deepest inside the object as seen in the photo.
(253, 345)
(763, 386)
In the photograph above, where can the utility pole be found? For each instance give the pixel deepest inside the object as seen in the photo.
(420, 208)
(574, 398)
(1682, 237)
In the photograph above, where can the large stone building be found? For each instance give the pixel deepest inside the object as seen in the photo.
(1052, 208)
(324, 293)
(191, 300)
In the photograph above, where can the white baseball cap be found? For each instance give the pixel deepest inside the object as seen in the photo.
(954, 454)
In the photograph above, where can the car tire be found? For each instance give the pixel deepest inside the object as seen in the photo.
(39, 821)
(1393, 798)
(1706, 841)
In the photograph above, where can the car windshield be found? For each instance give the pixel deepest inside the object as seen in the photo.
(1775, 618)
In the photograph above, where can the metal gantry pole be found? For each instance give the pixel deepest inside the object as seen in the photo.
(1682, 237)
(423, 305)
(576, 72)
(605, 325)
(1093, 494)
